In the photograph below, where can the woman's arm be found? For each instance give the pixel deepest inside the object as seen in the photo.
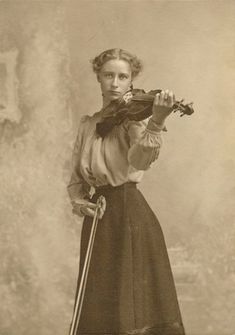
(78, 191)
(145, 143)
(78, 188)
(145, 136)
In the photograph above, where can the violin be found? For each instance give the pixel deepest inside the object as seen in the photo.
(137, 108)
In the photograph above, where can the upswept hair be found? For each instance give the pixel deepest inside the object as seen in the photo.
(135, 63)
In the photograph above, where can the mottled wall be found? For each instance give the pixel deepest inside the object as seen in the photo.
(39, 240)
(186, 46)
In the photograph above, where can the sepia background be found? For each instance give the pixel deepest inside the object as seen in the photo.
(186, 46)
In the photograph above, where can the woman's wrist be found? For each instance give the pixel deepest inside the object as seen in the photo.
(156, 125)
(159, 120)
(78, 206)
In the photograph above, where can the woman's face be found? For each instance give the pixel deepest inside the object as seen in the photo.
(115, 79)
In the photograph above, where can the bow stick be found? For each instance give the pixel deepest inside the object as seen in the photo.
(83, 281)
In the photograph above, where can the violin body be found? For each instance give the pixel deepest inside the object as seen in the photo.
(138, 108)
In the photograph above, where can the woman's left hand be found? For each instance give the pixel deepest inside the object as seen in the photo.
(162, 106)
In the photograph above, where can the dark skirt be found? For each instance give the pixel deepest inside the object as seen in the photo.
(130, 287)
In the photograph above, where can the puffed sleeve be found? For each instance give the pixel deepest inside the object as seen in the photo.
(78, 188)
(145, 143)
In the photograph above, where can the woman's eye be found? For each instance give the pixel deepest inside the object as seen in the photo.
(123, 76)
(108, 75)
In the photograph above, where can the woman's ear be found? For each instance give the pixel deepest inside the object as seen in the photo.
(98, 77)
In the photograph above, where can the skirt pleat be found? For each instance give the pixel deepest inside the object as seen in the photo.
(130, 287)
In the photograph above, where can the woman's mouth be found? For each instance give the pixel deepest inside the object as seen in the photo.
(114, 92)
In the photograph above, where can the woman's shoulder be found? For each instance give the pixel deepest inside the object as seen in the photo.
(83, 123)
(89, 118)
(87, 123)
(84, 119)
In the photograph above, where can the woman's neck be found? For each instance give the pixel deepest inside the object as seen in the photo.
(105, 102)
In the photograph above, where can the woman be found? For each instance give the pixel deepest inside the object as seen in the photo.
(130, 288)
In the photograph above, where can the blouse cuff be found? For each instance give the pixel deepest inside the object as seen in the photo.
(76, 191)
(155, 127)
(79, 203)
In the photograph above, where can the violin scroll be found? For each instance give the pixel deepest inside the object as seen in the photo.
(182, 108)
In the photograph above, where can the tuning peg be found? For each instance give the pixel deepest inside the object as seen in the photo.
(190, 104)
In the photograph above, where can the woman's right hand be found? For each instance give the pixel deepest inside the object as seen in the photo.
(162, 106)
(88, 208)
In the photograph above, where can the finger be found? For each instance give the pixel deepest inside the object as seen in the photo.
(103, 204)
(162, 98)
(166, 95)
(87, 211)
(80, 210)
(102, 208)
(76, 208)
(157, 99)
(91, 205)
(166, 98)
(171, 98)
(101, 213)
(102, 199)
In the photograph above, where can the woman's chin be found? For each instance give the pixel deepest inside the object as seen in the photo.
(113, 98)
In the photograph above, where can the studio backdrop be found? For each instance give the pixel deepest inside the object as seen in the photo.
(47, 85)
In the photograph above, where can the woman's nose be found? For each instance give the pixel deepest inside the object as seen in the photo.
(115, 82)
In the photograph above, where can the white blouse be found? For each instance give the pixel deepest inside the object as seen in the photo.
(120, 157)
